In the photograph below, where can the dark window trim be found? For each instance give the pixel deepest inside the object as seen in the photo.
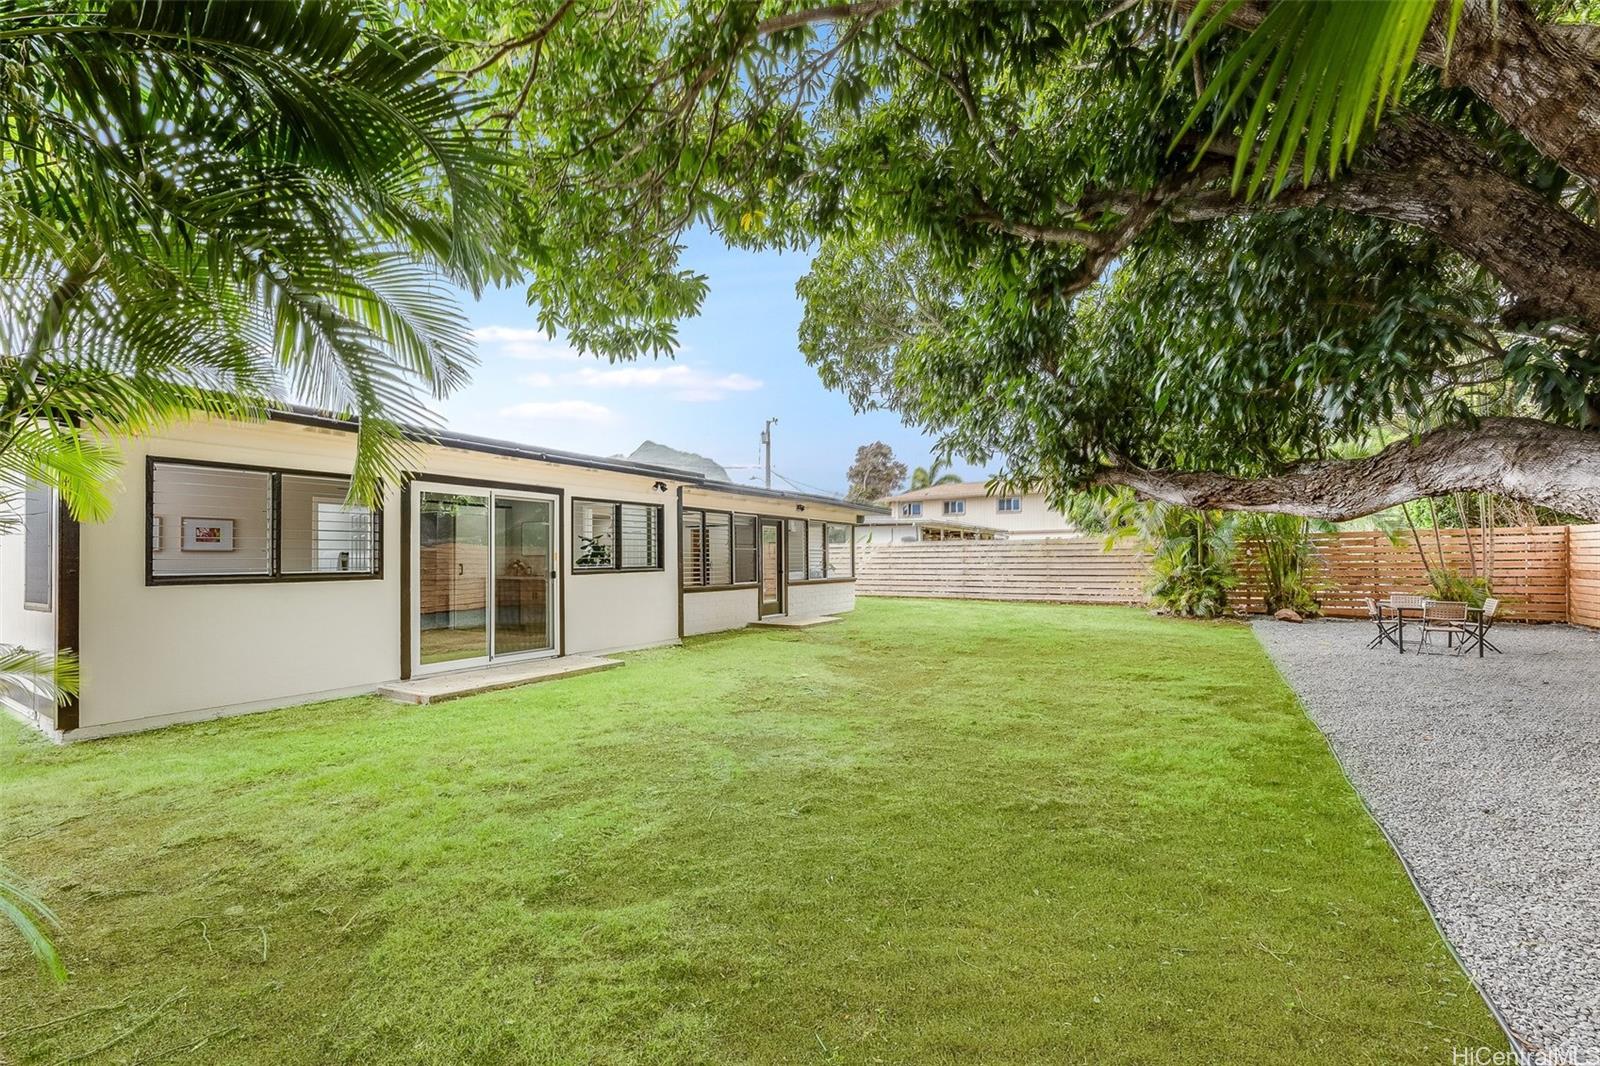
(275, 529)
(411, 479)
(616, 523)
(46, 605)
(807, 540)
(705, 549)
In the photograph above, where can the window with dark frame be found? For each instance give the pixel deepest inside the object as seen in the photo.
(796, 540)
(716, 548)
(38, 546)
(911, 510)
(744, 549)
(213, 523)
(609, 536)
(839, 562)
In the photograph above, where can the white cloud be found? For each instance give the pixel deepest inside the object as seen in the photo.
(680, 380)
(518, 343)
(560, 411)
(539, 380)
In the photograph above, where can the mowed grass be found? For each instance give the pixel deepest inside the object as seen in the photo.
(936, 832)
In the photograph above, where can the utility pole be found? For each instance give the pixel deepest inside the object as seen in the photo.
(766, 448)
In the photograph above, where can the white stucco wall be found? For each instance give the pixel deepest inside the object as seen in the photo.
(156, 654)
(712, 612)
(28, 627)
(810, 601)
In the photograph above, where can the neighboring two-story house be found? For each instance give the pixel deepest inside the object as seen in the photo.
(963, 511)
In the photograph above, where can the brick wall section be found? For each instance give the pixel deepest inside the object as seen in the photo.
(712, 612)
(811, 601)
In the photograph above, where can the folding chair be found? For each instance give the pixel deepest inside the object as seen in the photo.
(1403, 602)
(1475, 631)
(1443, 616)
(1388, 628)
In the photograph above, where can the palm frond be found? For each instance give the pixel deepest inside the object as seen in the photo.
(29, 916)
(1321, 71)
(217, 208)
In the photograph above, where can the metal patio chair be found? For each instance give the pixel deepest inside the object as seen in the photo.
(1400, 603)
(1388, 627)
(1475, 630)
(1443, 616)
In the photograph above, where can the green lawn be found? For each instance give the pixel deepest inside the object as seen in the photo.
(937, 832)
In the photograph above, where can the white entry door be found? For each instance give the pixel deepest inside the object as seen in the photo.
(485, 576)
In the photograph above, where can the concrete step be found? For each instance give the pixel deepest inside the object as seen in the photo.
(433, 688)
(795, 623)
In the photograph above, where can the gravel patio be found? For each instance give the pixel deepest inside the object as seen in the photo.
(1487, 774)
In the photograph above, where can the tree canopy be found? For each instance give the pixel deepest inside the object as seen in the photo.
(876, 473)
(1028, 236)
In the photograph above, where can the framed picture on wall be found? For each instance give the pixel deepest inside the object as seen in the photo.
(207, 535)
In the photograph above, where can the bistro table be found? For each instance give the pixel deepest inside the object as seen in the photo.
(1402, 607)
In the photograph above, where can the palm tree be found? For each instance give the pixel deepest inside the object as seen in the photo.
(937, 472)
(214, 208)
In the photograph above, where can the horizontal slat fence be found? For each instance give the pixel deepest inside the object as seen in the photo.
(1064, 570)
(1541, 573)
(1583, 575)
(1529, 569)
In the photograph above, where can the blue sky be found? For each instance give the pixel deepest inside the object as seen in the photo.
(738, 365)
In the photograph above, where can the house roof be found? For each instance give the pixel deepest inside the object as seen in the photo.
(307, 416)
(956, 490)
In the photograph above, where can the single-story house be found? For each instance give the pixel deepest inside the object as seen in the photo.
(933, 510)
(234, 576)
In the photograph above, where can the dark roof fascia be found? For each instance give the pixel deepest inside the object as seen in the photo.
(490, 446)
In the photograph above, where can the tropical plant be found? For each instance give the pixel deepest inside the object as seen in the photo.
(1448, 583)
(52, 677)
(937, 472)
(218, 207)
(25, 913)
(1280, 546)
(1191, 552)
(969, 174)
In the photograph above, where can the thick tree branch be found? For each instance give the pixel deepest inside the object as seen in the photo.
(828, 13)
(1414, 173)
(1527, 460)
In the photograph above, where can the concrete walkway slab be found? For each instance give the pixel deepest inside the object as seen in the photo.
(448, 686)
(795, 623)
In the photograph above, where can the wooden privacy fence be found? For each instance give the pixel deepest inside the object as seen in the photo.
(1064, 570)
(1541, 573)
(1583, 575)
(1528, 568)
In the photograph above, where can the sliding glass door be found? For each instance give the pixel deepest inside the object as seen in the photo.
(484, 576)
